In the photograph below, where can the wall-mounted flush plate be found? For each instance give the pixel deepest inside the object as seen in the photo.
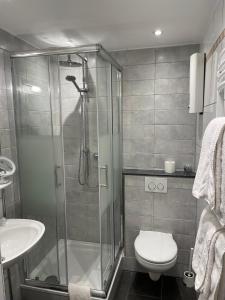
(156, 184)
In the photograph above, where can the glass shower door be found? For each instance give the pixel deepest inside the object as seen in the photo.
(105, 167)
(37, 109)
(117, 158)
(110, 164)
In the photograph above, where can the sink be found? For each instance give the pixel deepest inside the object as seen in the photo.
(17, 237)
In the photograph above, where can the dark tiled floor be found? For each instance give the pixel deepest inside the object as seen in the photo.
(138, 286)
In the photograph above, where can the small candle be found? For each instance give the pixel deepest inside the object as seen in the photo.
(169, 166)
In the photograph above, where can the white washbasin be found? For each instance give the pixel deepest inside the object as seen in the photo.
(17, 237)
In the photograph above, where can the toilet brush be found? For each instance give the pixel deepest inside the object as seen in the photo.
(189, 277)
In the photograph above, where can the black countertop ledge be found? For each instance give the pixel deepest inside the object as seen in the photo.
(139, 172)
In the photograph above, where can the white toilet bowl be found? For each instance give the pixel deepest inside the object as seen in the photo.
(156, 251)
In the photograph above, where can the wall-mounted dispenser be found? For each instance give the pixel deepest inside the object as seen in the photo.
(7, 169)
(197, 70)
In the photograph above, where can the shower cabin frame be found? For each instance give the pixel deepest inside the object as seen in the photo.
(98, 49)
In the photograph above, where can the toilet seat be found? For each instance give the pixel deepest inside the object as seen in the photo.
(156, 247)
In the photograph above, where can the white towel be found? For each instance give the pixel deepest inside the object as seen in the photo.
(205, 182)
(205, 288)
(210, 290)
(204, 245)
(79, 291)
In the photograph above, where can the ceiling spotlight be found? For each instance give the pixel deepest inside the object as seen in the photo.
(157, 32)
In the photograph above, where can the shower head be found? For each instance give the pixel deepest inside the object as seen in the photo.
(72, 79)
(69, 62)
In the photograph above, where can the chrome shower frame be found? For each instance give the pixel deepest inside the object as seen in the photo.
(80, 51)
(97, 48)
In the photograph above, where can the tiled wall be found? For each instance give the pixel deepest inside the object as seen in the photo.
(7, 135)
(7, 124)
(174, 212)
(157, 125)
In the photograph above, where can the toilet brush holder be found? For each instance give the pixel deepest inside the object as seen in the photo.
(189, 279)
(189, 276)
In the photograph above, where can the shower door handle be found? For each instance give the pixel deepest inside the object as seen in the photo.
(106, 169)
(57, 176)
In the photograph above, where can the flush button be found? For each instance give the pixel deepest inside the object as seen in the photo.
(160, 186)
(152, 186)
(156, 184)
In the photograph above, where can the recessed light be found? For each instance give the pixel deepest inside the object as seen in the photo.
(157, 32)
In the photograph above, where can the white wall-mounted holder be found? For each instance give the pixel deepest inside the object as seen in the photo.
(7, 169)
(196, 87)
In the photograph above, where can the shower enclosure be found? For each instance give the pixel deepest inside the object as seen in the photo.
(68, 122)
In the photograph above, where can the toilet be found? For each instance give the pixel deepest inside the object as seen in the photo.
(155, 251)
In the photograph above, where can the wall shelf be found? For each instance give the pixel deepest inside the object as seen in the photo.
(139, 172)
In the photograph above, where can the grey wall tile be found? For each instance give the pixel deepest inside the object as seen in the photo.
(139, 57)
(172, 70)
(138, 103)
(137, 131)
(138, 202)
(175, 132)
(180, 183)
(139, 222)
(135, 57)
(138, 117)
(174, 54)
(172, 101)
(156, 92)
(184, 241)
(175, 226)
(176, 204)
(138, 160)
(135, 181)
(172, 86)
(139, 72)
(174, 117)
(138, 145)
(138, 88)
(174, 146)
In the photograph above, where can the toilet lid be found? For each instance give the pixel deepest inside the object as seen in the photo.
(157, 247)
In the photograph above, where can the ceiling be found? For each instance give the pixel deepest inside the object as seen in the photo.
(116, 24)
